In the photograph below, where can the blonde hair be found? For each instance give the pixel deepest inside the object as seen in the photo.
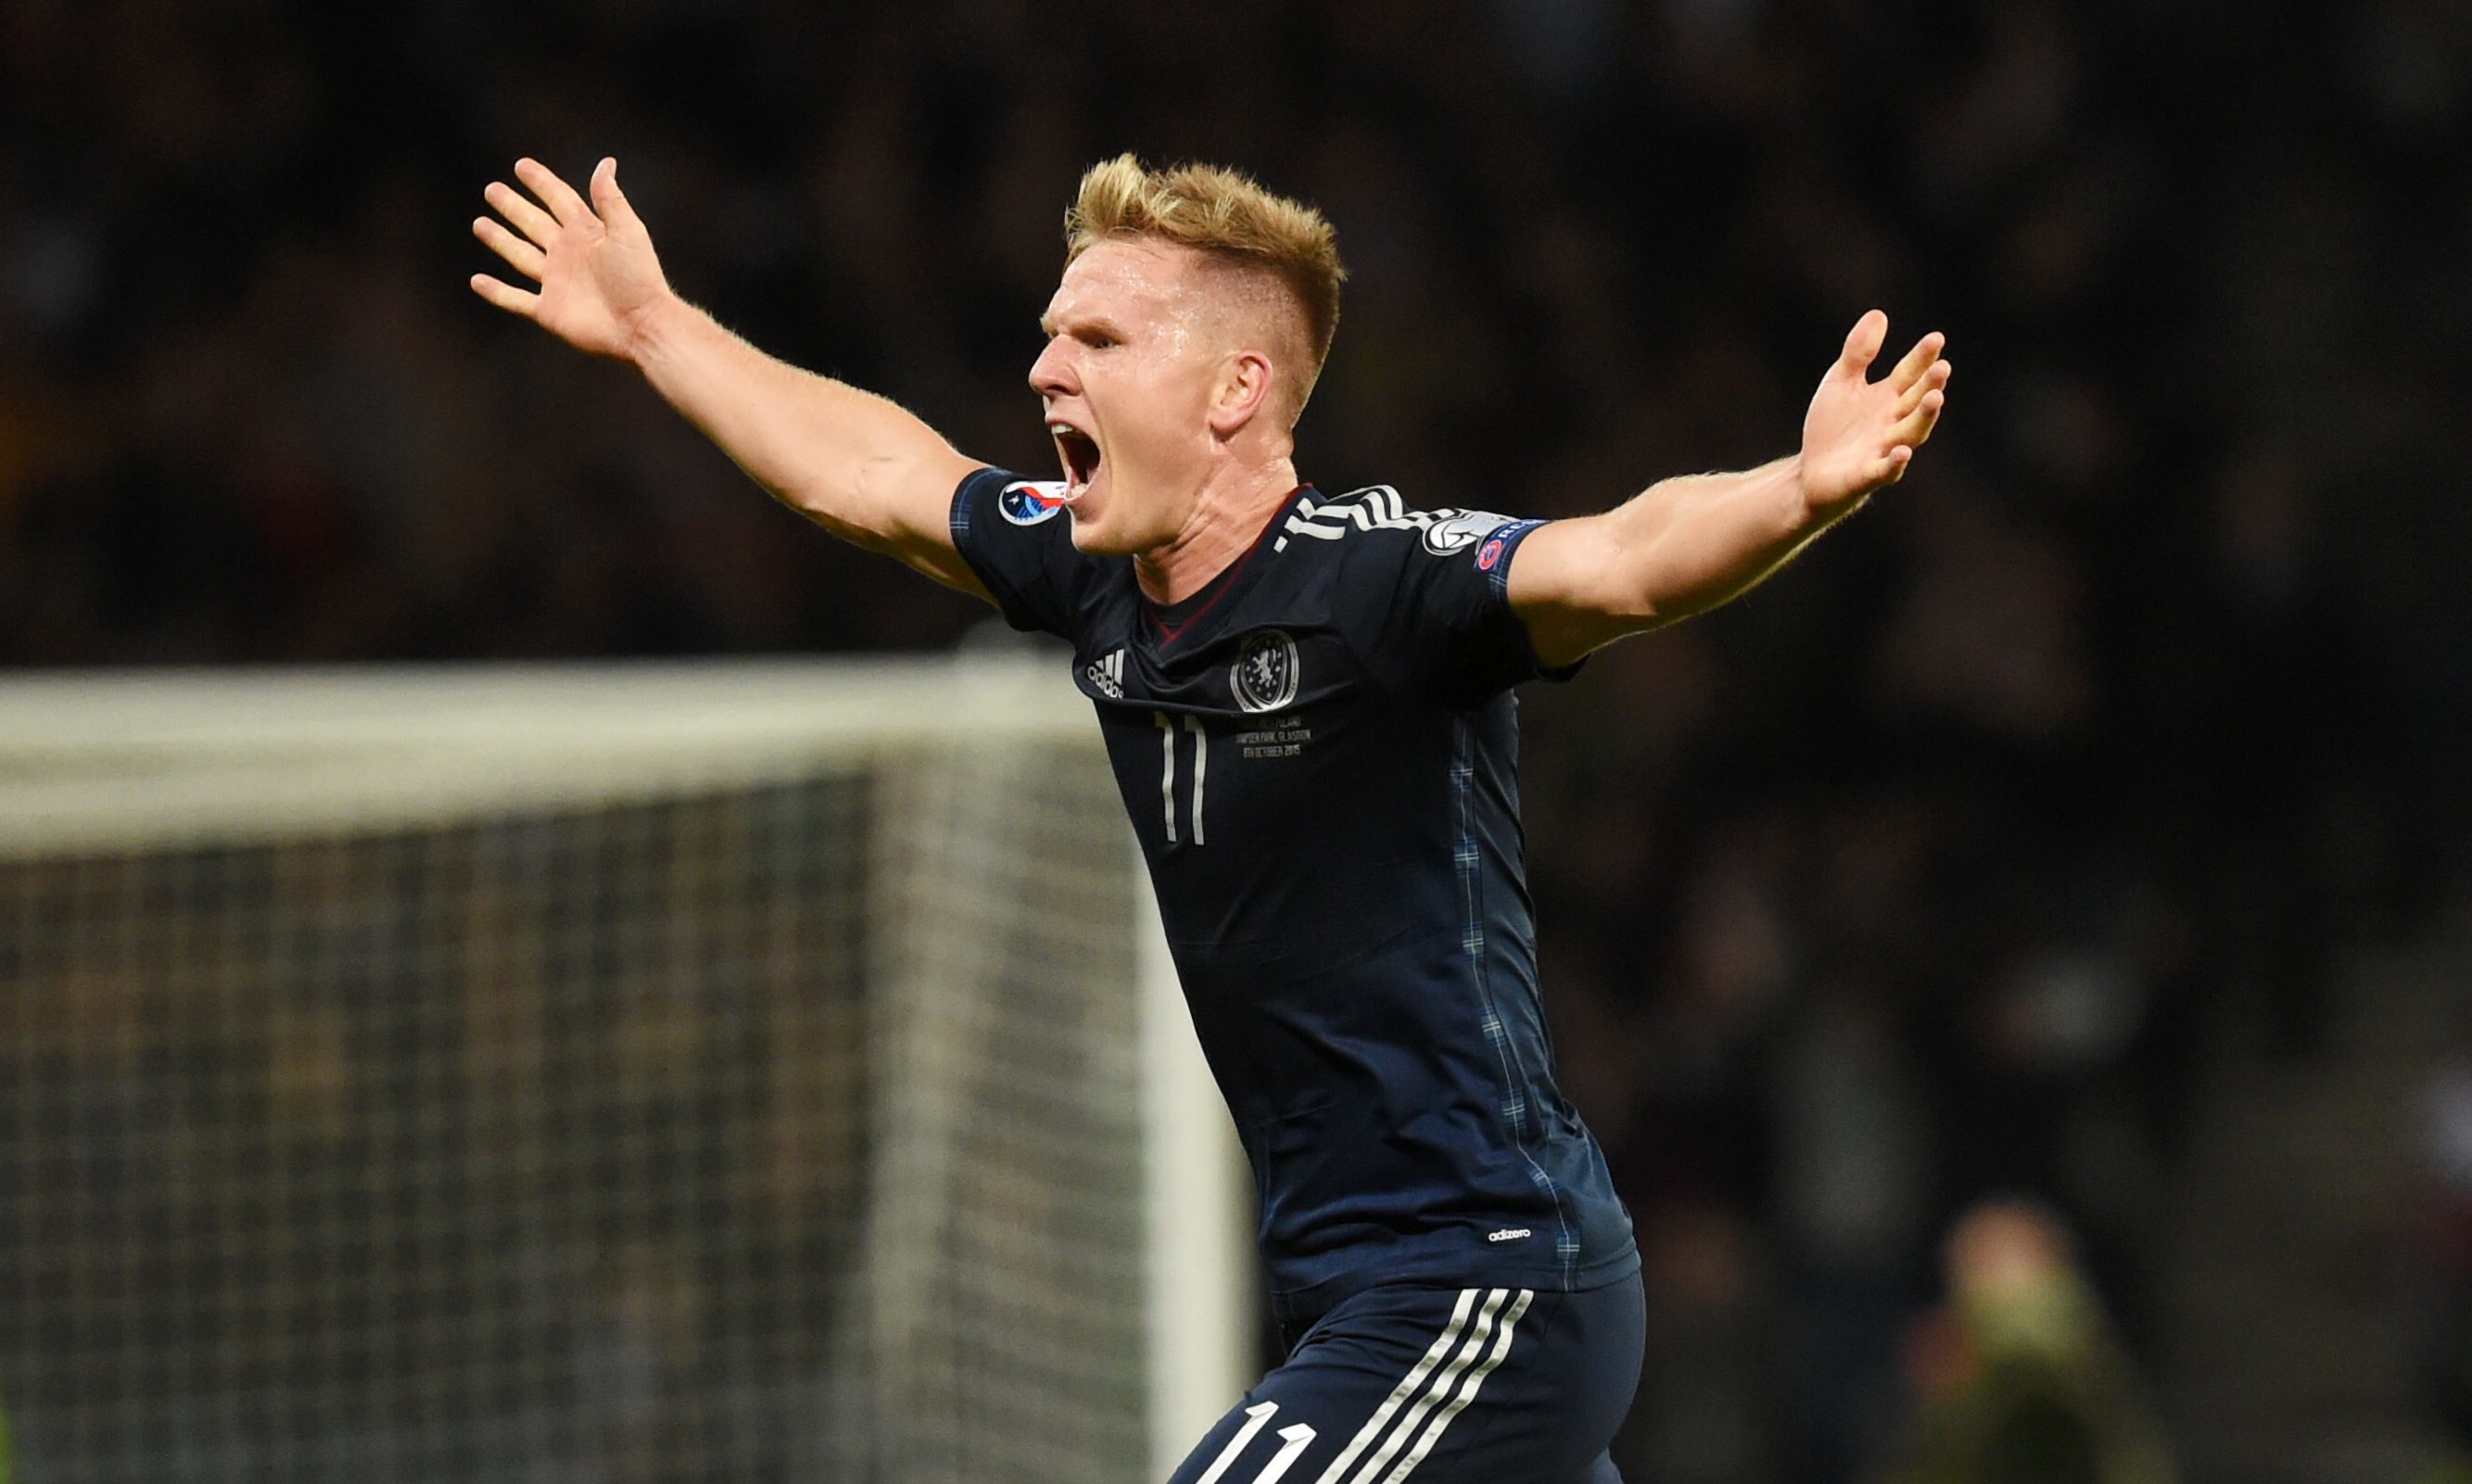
(1228, 217)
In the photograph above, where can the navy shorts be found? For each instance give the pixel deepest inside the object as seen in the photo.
(1446, 1385)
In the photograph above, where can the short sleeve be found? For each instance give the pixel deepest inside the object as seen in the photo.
(1431, 610)
(1015, 535)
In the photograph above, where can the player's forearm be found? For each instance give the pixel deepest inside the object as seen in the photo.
(1693, 543)
(854, 462)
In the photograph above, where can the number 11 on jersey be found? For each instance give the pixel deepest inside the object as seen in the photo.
(1167, 770)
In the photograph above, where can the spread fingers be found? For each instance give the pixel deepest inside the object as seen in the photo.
(1918, 359)
(1915, 426)
(1932, 380)
(505, 296)
(520, 209)
(520, 255)
(556, 194)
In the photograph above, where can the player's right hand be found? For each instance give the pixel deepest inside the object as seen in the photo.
(598, 276)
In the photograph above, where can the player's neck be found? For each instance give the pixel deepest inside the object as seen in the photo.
(1226, 520)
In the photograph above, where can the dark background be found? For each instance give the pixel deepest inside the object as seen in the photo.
(2099, 756)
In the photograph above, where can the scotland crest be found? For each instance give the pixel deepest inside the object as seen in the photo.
(1264, 674)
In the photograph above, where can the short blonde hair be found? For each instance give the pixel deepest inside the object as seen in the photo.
(1228, 215)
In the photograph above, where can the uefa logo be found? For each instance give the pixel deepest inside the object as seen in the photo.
(1264, 674)
(1458, 530)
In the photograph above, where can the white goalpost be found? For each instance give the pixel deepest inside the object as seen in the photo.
(707, 1072)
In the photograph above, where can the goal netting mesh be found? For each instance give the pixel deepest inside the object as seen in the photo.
(752, 1073)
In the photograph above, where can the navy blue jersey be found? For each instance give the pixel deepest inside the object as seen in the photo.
(1318, 754)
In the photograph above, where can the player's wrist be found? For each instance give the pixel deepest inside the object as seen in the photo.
(1825, 498)
(1807, 500)
(652, 329)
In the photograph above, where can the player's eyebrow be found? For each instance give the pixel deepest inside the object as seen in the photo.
(1099, 323)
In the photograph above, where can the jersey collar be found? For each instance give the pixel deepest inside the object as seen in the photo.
(1173, 620)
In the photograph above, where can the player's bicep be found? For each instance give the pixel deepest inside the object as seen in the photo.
(1571, 585)
(945, 565)
(904, 509)
(923, 531)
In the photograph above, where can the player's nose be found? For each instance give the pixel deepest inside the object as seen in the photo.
(1053, 373)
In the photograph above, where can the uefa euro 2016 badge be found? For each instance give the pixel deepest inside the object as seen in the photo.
(1264, 674)
(1026, 502)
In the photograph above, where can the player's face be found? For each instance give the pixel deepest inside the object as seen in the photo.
(1131, 360)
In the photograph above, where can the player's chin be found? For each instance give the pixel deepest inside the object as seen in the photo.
(1093, 533)
(1092, 537)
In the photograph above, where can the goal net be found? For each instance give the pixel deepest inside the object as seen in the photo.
(746, 1072)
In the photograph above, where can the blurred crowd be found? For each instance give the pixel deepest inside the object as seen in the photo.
(1909, 881)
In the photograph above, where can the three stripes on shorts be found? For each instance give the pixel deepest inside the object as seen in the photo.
(1405, 1428)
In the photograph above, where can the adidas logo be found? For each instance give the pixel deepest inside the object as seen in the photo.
(1109, 675)
(1508, 1235)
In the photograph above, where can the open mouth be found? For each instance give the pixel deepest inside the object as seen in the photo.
(1079, 453)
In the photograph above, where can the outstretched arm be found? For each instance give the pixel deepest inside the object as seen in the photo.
(854, 463)
(1685, 545)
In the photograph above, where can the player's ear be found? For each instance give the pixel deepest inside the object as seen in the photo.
(1244, 390)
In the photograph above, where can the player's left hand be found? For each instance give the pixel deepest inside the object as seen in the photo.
(1861, 434)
